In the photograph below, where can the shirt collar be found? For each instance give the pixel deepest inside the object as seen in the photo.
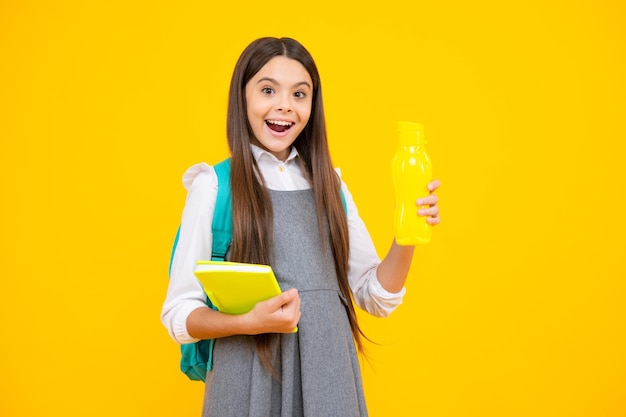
(259, 154)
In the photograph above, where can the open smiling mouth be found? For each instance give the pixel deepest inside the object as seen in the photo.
(278, 125)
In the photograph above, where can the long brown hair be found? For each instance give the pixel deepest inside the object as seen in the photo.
(252, 207)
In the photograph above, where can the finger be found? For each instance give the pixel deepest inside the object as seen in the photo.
(295, 323)
(282, 299)
(428, 212)
(298, 300)
(433, 220)
(431, 200)
(291, 313)
(433, 185)
(294, 304)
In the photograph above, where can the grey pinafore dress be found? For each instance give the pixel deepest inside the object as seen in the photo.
(318, 368)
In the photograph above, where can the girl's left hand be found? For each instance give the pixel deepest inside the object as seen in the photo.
(431, 211)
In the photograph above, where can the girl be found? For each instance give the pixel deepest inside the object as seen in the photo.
(288, 213)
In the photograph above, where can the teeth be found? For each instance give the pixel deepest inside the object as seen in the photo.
(279, 122)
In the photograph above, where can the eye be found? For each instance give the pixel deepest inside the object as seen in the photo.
(300, 94)
(267, 90)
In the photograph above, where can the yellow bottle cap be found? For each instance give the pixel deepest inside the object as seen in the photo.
(410, 134)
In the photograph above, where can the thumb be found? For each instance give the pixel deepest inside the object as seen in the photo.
(283, 298)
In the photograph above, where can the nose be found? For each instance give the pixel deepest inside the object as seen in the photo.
(283, 104)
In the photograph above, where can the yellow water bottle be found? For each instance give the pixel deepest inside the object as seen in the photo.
(412, 171)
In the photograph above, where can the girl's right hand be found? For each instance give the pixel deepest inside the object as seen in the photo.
(279, 314)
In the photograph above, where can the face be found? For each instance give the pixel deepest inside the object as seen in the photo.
(279, 99)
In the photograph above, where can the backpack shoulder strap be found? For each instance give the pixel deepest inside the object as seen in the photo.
(174, 250)
(222, 218)
(343, 201)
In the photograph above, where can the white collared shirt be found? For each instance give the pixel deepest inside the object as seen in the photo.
(185, 293)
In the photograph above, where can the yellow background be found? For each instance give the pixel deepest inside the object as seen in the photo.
(515, 309)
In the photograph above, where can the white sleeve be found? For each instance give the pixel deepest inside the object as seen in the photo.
(185, 293)
(363, 263)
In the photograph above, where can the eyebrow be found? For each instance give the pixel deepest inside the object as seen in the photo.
(271, 80)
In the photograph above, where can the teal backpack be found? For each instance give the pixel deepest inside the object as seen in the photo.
(197, 358)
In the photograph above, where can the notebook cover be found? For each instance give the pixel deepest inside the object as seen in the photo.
(235, 288)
